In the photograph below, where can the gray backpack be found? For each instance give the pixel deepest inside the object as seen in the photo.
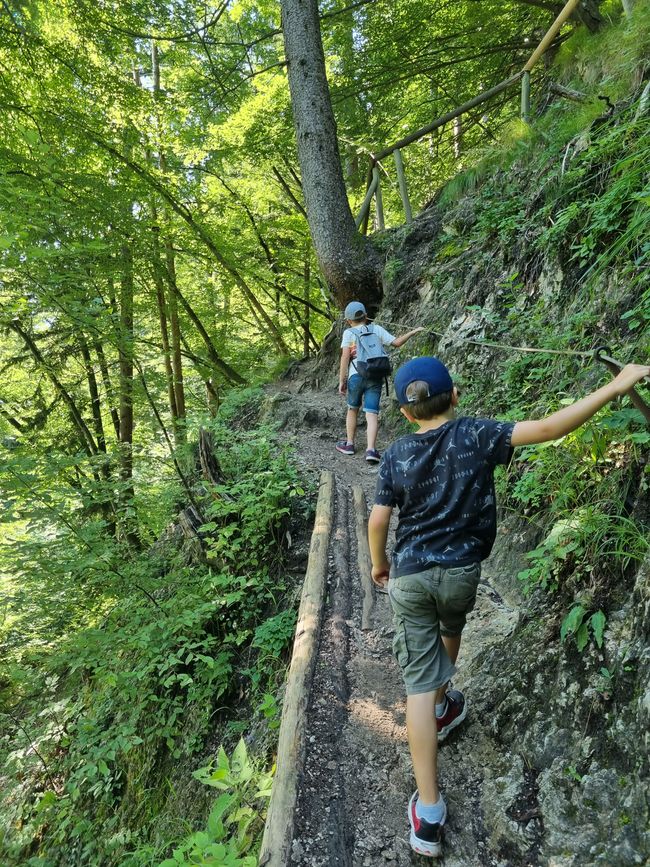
(372, 361)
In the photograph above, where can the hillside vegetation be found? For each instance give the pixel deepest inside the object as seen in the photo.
(544, 245)
(147, 609)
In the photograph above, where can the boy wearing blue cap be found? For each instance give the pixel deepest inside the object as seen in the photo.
(359, 388)
(441, 478)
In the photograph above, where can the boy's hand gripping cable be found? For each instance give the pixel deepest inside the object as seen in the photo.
(601, 353)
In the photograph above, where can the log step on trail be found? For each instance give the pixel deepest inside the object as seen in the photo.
(343, 770)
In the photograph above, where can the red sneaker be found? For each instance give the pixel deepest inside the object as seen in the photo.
(454, 715)
(426, 837)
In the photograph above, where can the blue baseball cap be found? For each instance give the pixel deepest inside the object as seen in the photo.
(355, 310)
(425, 369)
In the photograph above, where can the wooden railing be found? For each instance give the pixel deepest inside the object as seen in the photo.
(373, 185)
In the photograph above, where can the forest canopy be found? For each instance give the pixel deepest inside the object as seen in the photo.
(154, 243)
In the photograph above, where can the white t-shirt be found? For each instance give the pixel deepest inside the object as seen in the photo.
(350, 339)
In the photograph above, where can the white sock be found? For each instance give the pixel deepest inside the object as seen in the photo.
(441, 708)
(430, 812)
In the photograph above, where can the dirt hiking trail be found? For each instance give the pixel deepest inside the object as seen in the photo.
(356, 779)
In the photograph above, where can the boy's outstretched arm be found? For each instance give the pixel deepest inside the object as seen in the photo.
(377, 536)
(571, 417)
(401, 340)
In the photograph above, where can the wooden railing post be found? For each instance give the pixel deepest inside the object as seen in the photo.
(365, 207)
(379, 204)
(401, 180)
(525, 95)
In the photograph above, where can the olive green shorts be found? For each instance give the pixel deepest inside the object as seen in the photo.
(425, 606)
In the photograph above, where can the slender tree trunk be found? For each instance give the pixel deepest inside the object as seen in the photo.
(106, 505)
(458, 137)
(162, 321)
(257, 308)
(94, 395)
(348, 261)
(108, 386)
(177, 359)
(213, 397)
(173, 360)
(218, 362)
(125, 348)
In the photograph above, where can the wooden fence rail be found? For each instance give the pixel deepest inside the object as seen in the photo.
(373, 184)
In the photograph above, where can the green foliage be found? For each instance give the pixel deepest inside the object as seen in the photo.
(580, 627)
(577, 480)
(571, 772)
(129, 694)
(392, 270)
(615, 219)
(273, 636)
(233, 822)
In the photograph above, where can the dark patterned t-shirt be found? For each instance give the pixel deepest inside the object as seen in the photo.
(443, 483)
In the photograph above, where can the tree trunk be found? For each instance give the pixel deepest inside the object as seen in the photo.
(229, 372)
(305, 322)
(173, 360)
(174, 322)
(108, 386)
(106, 504)
(94, 395)
(348, 261)
(458, 137)
(125, 347)
(164, 330)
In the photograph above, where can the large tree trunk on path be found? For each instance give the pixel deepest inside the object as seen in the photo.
(347, 259)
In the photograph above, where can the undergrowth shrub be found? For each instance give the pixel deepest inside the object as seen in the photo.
(128, 700)
(235, 819)
(582, 488)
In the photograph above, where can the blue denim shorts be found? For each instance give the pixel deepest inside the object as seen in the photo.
(358, 388)
(427, 605)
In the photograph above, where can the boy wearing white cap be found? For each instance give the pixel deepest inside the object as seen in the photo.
(361, 389)
(441, 479)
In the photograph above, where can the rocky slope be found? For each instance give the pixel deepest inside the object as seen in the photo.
(553, 768)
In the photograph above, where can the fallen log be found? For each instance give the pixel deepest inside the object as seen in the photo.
(278, 830)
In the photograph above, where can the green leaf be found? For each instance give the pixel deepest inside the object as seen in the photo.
(221, 805)
(239, 760)
(582, 637)
(572, 621)
(47, 800)
(597, 622)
